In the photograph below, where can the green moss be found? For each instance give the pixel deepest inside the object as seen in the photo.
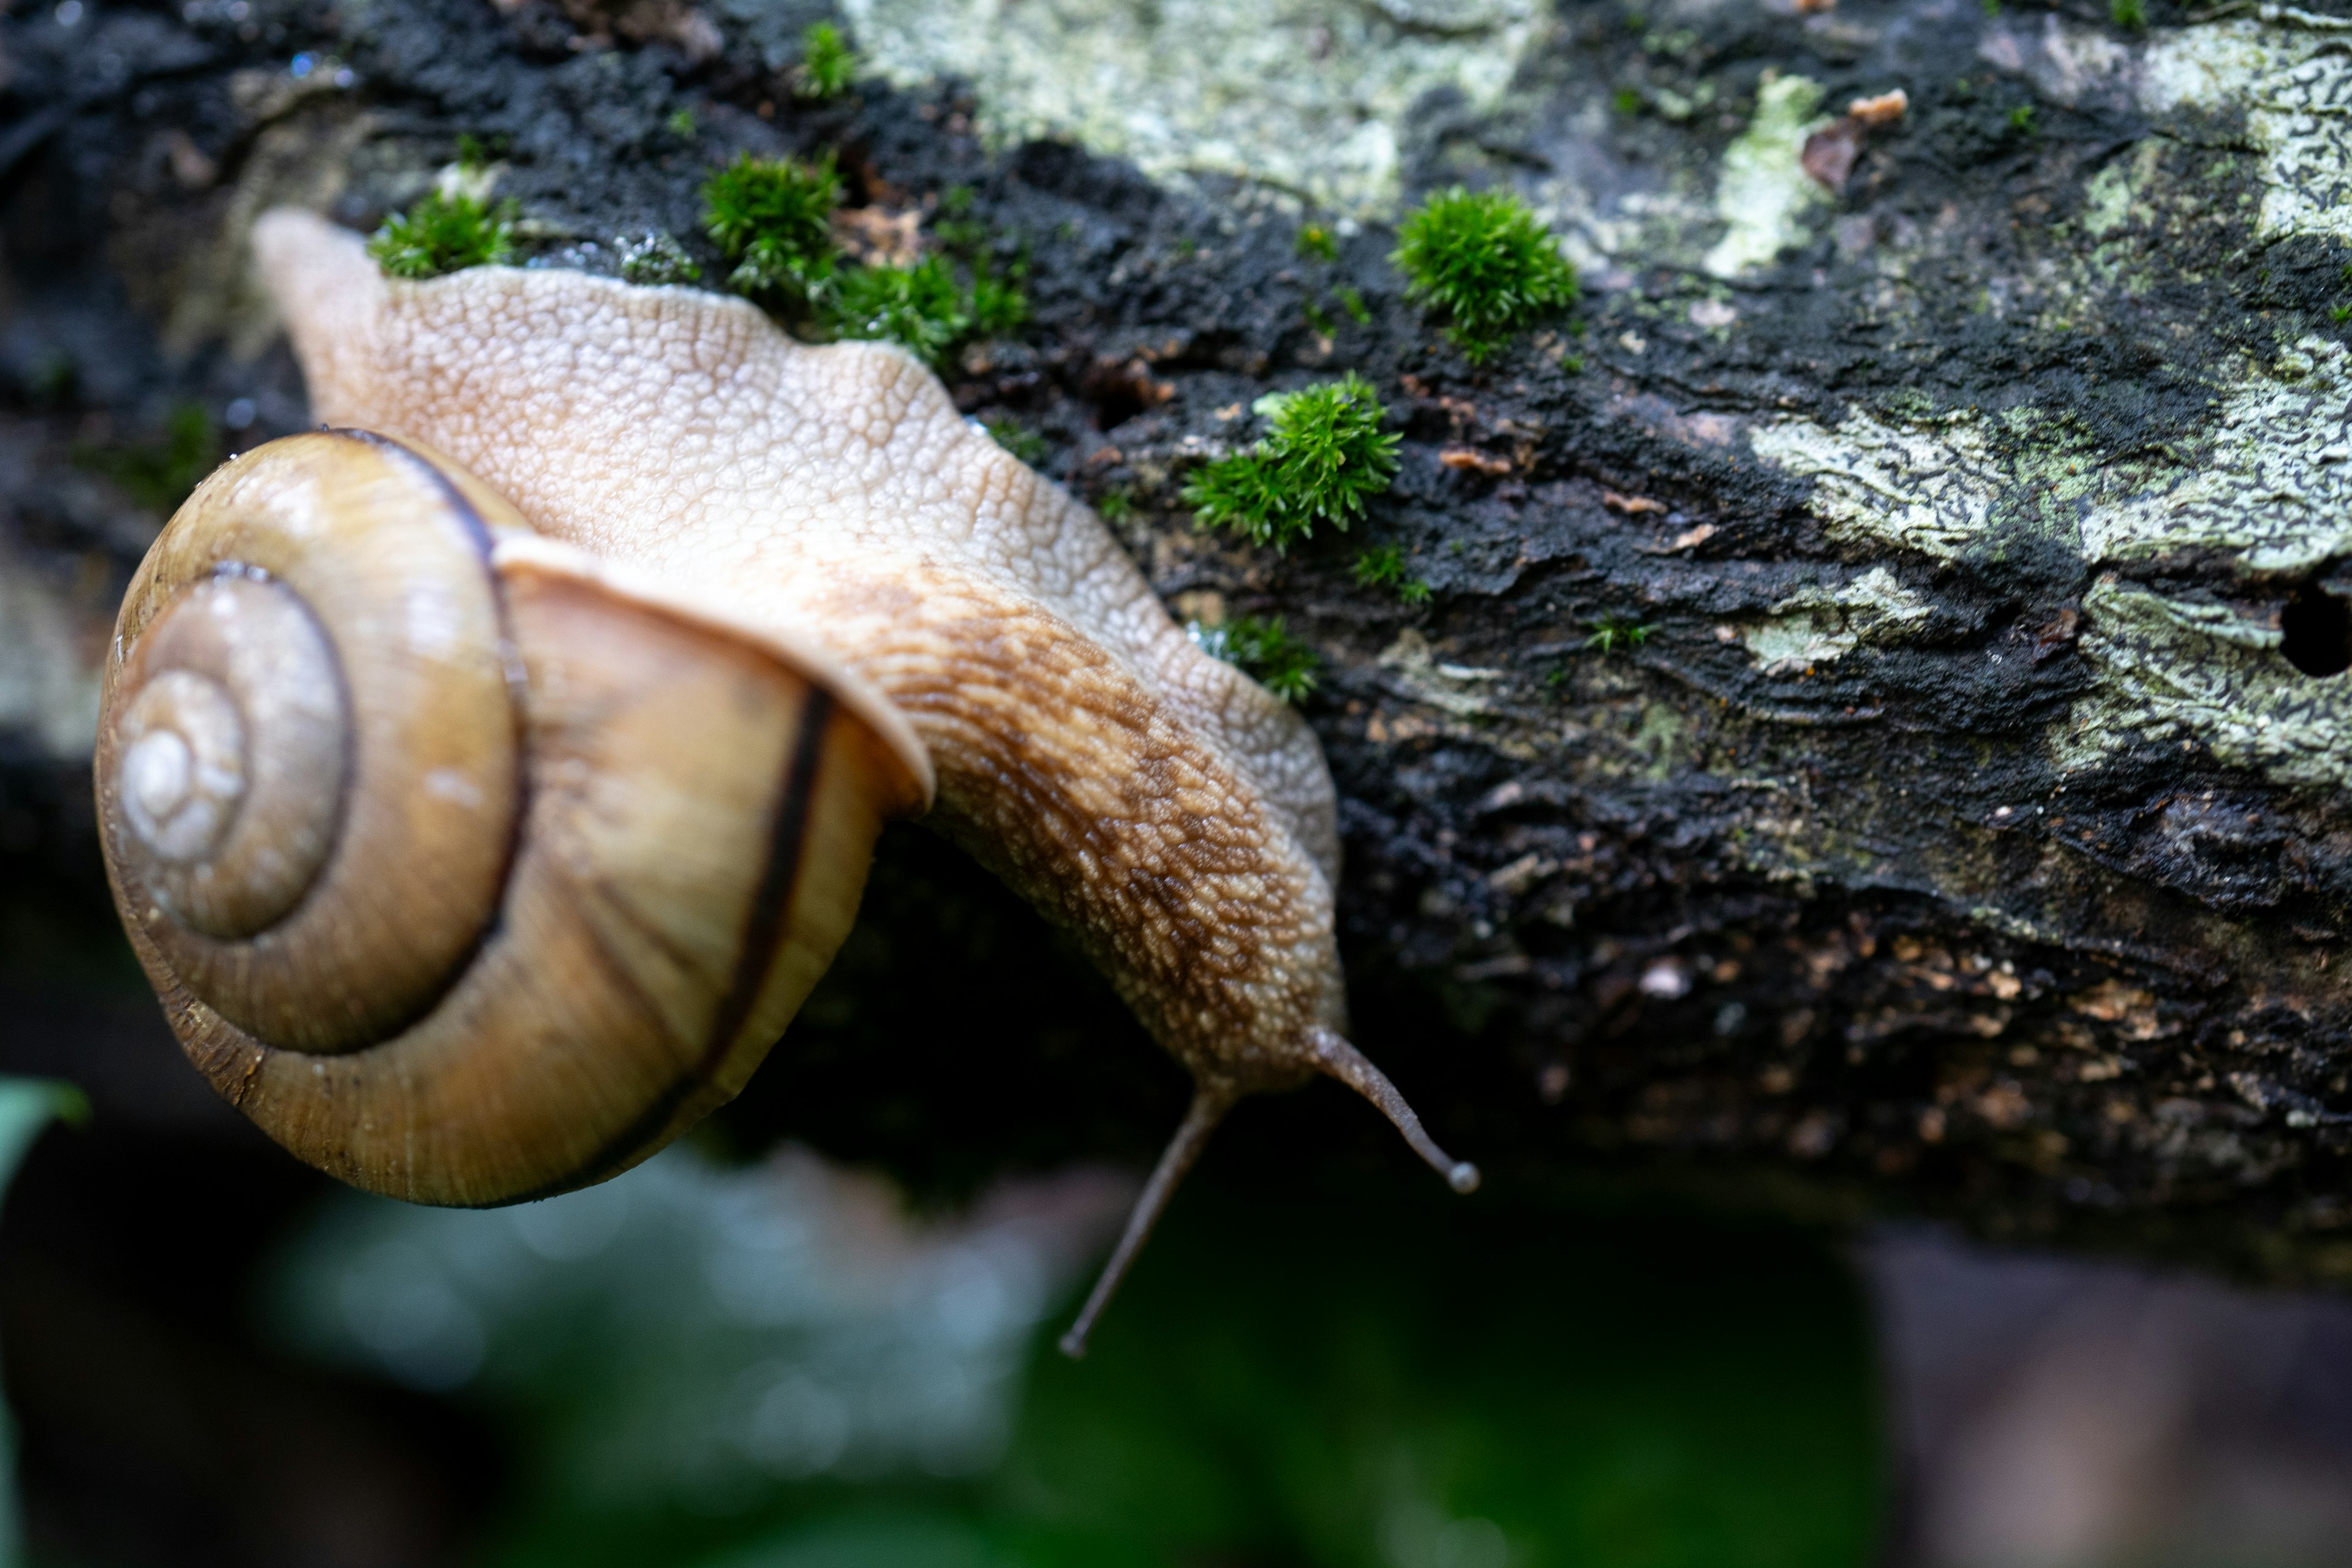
(1316, 243)
(1016, 438)
(998, 305)
(919, 307)
(682, 124)
(1351, 299)
(771, 217)
(1115, 505)
(158, 474)
(1617, 633)
(1485, 262)
(1316, 321)
(1626, 102)
(2130, 13)
(923, 307)
(2021, 119)
(1324, 457)
(443, 234)
(828, 65)
(656, 257)
(1266, 650)
(1383, 567)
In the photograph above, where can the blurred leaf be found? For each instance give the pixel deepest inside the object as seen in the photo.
(26, 1106)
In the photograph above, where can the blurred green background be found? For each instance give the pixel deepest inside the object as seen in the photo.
(1331, 1372)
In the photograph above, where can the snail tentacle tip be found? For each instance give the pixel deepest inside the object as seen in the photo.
(1329, 1052)
(1073, 1345)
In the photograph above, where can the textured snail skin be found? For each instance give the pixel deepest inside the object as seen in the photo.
(1152, 800)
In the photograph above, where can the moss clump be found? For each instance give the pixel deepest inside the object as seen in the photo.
(444, 233)
(1266, 650)
(828, 65)
(1317, 243)
(1484, 260)
(923, 307)
(1323, 458)
(920, 307)
(773, 219)
(2132, 13)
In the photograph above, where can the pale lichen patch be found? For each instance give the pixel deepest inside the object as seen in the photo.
(2170, 671)
(1458, 690)
(1814, 626)
(1763, 192)
(1928, 487)
(2293, 83)
(1312, 98)
(2273, 485)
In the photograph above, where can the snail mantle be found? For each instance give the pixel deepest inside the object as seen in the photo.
(487, 778)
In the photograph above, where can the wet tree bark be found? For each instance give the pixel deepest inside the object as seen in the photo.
(1875, 738)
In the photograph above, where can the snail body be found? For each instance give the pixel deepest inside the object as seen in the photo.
(586, 685)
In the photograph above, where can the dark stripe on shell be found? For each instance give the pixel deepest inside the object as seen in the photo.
(478, 533)
(764, 926)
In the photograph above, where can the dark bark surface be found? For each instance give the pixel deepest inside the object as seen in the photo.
(1965, 833)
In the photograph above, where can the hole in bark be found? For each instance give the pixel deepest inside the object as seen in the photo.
(2316, 632)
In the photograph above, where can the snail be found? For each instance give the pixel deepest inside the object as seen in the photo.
(487, 776)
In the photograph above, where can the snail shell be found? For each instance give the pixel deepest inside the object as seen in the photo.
(432, 834)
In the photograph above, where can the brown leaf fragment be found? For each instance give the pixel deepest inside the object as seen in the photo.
(876, 236)
(1471, 457)
(1631, 505)
(1829, 152)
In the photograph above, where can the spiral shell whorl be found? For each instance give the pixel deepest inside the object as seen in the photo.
(230, 757)
(308, 767)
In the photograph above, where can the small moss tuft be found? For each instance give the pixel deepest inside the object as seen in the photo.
(1617, 633)
(1317, 243)
(1116, 505)
(445, 234)
(923, 307)
(682, 125)
(654, 257)
(1484, 260)
(2021, 119)
(919, 307)
(1351, 299)
(1384, 568)
(2132, 13)
(1324, 457)
(1266, 650)
(828, 65)
(1016, 438)
(770, 216)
